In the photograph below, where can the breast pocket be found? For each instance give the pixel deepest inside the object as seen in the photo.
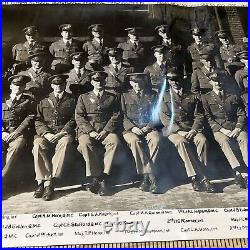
(60, 52)
(48, 112)
(21, 54)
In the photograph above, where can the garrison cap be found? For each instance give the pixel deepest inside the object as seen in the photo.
(159, 48)
(58, 79)
(78, 56)
(221, 34)
(137, 76)
(207, 52)
(172, 74)
(66, 26)
(243, 55)
(30, 30)
(114, 51)
(164, 28)
(133, 30)
(198, 31)
(98, 75)
(19, 79)
(96, 27)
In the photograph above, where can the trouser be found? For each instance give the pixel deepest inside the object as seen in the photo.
(45, 167)
(144, 149)
(224, 142)
(93, 151)
(192, 163)
(14, 150)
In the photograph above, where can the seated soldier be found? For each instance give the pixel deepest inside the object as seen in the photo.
(98, 116)
(18, 112)
(133, 49)
(182, 117)
(139, 129)
(39, 85)
(227, 119)
(55, 128)
(200, 79)
(78, 81)
(63, 48)
(117, 71)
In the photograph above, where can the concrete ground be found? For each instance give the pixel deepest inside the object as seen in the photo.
(125, 197)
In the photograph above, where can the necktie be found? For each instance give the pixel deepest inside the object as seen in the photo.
(98, 95)
(57, 99)
(116, 68)
(135, 44)
(100, 42)
(221, 95)
(78, 74)
(67, 44)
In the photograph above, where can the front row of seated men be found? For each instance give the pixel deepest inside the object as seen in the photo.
(100, 120)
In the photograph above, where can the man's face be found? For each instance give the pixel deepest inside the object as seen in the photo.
(31, 38)
(164, 34)
(160, 56)
(216, 84)
(17, 89)
(244, 61)
(58, 88)
(224, 41)
(77, 63)
(97, 34)
(175, 83)
(37, 64)
(133, 37)
(208, 63)
(116, 59)
(198, 39)
(98, 84)
(138, 85)
(66, 34)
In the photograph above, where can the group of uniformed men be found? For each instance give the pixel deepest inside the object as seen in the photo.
(70, 92)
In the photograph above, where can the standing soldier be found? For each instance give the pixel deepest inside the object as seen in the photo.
(228, 53)
(227, 119)
(183, 120)
(157, 71)
(241, 76)
(55, 126)
(117, 71)
(18, 113)
(39, 85)
(97, 46)
(133, 49)
(21, 51)
(97, 116)
(63, 48)
(78, 81)
(199, 43)
(200, 76)
(140, 129)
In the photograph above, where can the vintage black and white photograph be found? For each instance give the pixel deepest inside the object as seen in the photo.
(116, 107)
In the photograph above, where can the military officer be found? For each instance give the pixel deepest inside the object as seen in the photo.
(227, 119)
(133, 49)
(228, 52)
(241, 76)
(182, 117)
(39, 85)
(78, 81)
(157, 71)
(63, 48)
(117, 71)
(98, 116)
(55, 126)
(21, 51)
(140, 129)
(198, 44)
(200, 76)
(176, 54)
(17, 116)
(97, 46)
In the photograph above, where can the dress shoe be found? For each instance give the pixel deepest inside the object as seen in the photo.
(240, 181)
(48, 193)
(39, 191)
(94, 186)
(246, 181)
(153, 186)
(208, 186)
(103, 190)
(196, 185)
(145, 185)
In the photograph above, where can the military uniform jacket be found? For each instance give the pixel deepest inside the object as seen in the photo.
(157, 74)
(200, 81)
(138, 110)
(225, 113)
(62, 53)
(116, 81)
(53, 117)
(39, 85)
(130, 51)
(21, 51)
(227, 53)
(94, 114)
(187, 112)
(18, 116)
(241, 77)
